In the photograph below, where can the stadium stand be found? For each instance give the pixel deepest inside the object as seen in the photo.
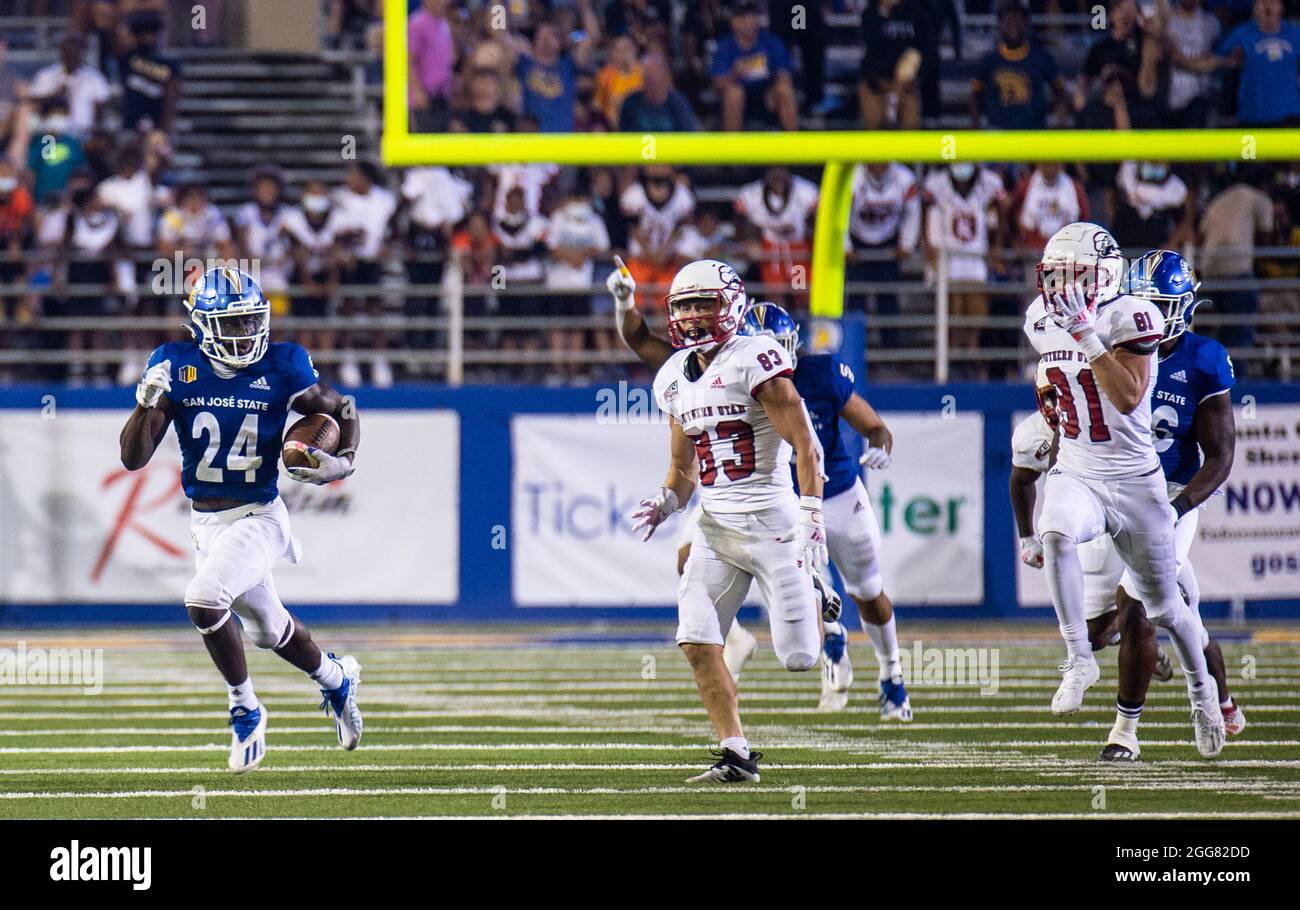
(369, 290)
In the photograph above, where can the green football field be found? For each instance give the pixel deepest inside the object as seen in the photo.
(575, 722)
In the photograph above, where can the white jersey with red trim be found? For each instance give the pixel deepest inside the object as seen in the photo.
(789, 224)
(1031, 444)
(744, 464)
(1097, 440)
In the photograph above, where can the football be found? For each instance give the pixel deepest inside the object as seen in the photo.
(320, 431)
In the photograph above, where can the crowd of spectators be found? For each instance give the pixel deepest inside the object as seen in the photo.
(90, 197)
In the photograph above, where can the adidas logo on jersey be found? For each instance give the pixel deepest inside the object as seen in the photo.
(1180, 376)
(260, 383)
(718, 383)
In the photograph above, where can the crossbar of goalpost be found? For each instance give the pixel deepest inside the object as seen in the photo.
(838, 151)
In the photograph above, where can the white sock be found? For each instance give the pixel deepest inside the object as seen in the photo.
(242, 695)
(884, 639)
(329, 675)
(1126, 720)
(1065, 581)
(737, 744)
(832, 629)
(1187, 635)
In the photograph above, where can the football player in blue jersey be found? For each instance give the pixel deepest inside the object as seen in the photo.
(228, 393)
(1195, 437)
(853, 535)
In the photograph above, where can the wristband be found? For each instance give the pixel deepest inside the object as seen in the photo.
(813, 503)
(1182, 505)
(670, 501)
(1091, 345)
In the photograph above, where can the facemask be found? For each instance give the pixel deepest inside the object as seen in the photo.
(962, 171)
(316, 204)
(1153, 173)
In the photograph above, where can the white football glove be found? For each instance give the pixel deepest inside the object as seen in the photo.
(810, 534)
(329, 468)
(1070, 311)
(621, 284)
(1031, 551)
(157, 381)
(654, 512)
(876, 458)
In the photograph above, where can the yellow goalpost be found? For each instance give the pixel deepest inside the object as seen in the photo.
(838, 151)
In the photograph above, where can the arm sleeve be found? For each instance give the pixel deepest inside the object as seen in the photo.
(1216, 371)
(302, 374)
(1229, 43)
(759, 364)
(1136, 325)
(1031, 443)
(841, 382)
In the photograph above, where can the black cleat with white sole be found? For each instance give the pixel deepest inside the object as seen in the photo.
(730, 769)
(1117, 752)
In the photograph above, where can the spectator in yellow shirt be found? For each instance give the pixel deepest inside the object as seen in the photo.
(619, 77)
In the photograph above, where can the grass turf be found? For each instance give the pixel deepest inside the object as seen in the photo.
(532, 724)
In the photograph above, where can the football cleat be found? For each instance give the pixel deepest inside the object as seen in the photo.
(739, 648)
(837, 672)
(1234, 721)
(831, 603)
(342, 703)
(894, 704)
(1120, 752)
(1080, 674)
(248, 739)
(1164, 666)
(729, 769)
(1207, 720)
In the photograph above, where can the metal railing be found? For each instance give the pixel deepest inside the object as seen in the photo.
(457, 328)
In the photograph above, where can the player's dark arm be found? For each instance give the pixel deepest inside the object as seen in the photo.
(1124, 376)
(321, 399)
(682, 471)
(868, 424)
(785, 409)
(143, 432)
(1216, 434)
(1024, 494)
(652, 350)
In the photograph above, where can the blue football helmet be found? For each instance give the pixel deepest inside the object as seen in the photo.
(1165, 278)
(230, 317)
(770, 319)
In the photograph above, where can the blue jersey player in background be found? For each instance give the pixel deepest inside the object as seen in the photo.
(853, 535)
(228, 393)
(1191, 422)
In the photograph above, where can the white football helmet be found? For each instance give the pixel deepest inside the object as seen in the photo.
(1086, 253)
(711, 280)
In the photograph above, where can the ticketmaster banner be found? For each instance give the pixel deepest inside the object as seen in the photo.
(75, 527)
(930, 506)
(576, 479)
